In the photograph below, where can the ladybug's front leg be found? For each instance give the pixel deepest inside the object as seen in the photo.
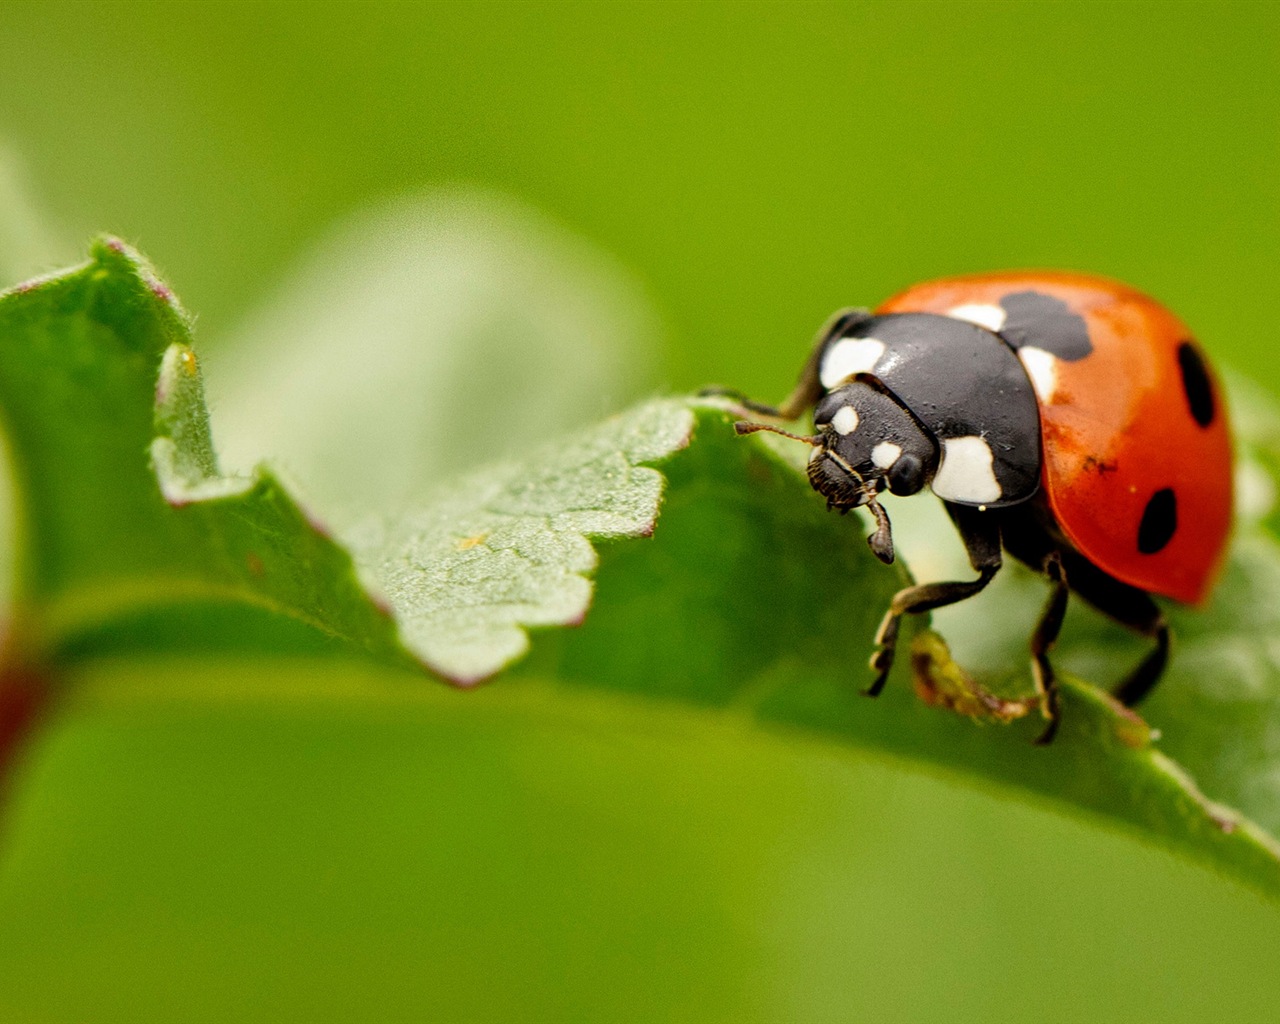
(980, 532)
(1042, 641)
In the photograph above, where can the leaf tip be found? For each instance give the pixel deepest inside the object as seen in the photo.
(108, 251)
(177, 379)
(111, 256)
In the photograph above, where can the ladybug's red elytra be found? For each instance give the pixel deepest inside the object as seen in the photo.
(1064, 418)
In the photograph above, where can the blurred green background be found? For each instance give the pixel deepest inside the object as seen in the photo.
(745, 169)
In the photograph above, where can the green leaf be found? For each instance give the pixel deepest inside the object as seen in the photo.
(95, 373)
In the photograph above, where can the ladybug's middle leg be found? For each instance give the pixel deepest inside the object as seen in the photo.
(980, 532)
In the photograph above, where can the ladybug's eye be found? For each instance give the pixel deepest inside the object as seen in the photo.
(906, 475)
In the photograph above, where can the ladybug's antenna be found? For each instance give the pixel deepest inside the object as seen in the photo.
(746, 427)
(882, 540)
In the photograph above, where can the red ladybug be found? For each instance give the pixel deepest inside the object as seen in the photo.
(1066, 419)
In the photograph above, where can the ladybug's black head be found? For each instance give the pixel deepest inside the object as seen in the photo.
(866, 443)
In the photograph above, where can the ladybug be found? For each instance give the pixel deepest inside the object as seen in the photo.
(1066, 419)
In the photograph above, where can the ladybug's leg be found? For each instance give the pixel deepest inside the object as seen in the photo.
(808, 389)
(803, 397)
(980, 533)
(1130, 607)
(1142, 680)
(750, 404)
(1042, 641)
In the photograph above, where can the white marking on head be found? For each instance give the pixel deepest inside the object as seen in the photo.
(847, 357)
(965, 471)
(885, 454)
(980, 313)
(845, 420)
(1042, 368)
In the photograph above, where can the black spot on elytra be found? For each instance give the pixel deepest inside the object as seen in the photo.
(1041, 321)
(1196, 384)
(1159, 522)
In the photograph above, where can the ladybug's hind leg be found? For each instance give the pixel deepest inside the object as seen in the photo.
(773, 412)
(1135, 609)
(1142, 680)
(980, 532)
(802, 398)
(1132, 608)
(809, 387)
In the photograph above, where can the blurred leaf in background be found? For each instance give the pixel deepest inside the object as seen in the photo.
(749, 168)
(26, 238)
(425, 337)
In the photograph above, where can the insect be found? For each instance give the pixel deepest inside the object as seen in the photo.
(1065, 419)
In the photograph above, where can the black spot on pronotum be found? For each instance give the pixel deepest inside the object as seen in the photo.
(1041, 321)
(1159, 522)
(1196, 384)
